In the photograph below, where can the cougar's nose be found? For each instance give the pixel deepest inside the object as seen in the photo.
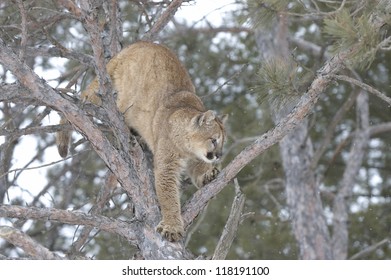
(210, 156)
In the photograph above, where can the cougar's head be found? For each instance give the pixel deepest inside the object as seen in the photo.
(207, 136)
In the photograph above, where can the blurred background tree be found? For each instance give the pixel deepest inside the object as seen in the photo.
(323, 192)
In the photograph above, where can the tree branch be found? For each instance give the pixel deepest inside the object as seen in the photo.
(25, 242)
(364, 86)
(370, 249)
(231, 227)
(39, 90)
(124, 229)
(328, 135)
(104, 196)
(268, 139)
(163, 20)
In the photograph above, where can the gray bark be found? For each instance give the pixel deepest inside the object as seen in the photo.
(303, 199)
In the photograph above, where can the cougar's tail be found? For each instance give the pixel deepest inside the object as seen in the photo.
(63, 138)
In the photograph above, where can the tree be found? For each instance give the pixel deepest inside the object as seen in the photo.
(310, 184)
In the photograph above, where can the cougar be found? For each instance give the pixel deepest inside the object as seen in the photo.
(158, 101)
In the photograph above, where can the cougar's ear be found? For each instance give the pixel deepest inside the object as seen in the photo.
(205, 118)
(223, 118)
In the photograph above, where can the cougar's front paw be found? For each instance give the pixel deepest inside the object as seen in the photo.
(210, 176)
(170, 232)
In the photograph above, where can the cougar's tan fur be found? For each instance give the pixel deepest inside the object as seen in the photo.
(158, 100)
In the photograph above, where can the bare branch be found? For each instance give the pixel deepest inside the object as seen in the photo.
(380, 128)
(105, 195)
(57, 51)
(370, 249)
(12, 92)
(231, 227)
(328, 135)
(25, 242)
(163, 20)
(124, 229)
(220, 86)
(364, 86)
(34, 130)
(39, 166)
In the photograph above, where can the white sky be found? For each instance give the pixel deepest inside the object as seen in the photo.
(213, 9)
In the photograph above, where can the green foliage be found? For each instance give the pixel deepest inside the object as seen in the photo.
(281, 82)
(356, 30)
(263, 13)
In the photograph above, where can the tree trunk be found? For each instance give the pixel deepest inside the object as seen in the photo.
(303, 199)
(308, 221)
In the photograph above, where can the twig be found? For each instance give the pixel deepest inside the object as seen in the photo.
(103, 198)
(219, 87)
(380, 128)
(56, 51)
(195, 227)
(34, 130)
(42, 165)
(272, 197)
(364, 86)
(328, 135)
(370, 249)
(163, 20)
(25, 242)
(231, 227)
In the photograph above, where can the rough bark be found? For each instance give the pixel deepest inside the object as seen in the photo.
(31, 247)
(303, 199)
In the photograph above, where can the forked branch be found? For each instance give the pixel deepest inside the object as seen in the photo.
(231, 227)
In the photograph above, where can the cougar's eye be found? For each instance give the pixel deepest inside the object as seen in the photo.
(214, 142)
